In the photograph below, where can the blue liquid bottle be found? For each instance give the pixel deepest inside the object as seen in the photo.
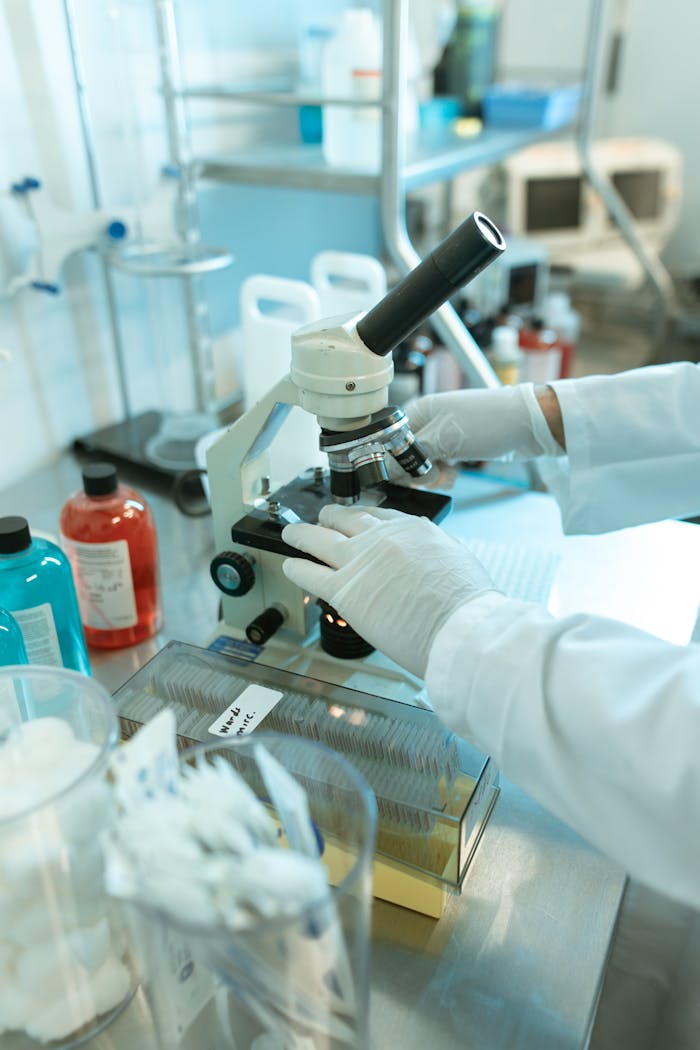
(12, 649)
(36, 586)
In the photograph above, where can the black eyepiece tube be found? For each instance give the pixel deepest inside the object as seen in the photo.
(457, 260)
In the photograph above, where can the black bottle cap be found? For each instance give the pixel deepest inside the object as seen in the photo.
(99, 479)
(14, 535)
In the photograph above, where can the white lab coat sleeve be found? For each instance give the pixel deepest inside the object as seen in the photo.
(633, 442)
(596, 720)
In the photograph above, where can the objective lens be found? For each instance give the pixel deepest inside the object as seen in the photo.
(409, 454)
(368, 464)
(345, 487)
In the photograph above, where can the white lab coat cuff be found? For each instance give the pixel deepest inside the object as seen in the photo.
(458, 644)
(544, 438)
(572, 493)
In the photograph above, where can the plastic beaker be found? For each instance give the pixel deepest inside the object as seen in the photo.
(298, 981)
(64, 969)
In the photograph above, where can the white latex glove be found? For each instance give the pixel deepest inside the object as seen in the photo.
(394, 577)
(481, 424)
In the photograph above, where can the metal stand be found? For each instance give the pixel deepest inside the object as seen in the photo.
(654, 270)
(96, 196)
(392, 196)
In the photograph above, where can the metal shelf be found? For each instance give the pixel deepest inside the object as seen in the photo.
(287, 96)
(296, 166)
(438, 157)
(435, 157)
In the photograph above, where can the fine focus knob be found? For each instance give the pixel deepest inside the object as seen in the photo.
(233, 573)
(262, 628)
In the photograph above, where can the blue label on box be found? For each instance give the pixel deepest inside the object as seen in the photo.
(235, 647)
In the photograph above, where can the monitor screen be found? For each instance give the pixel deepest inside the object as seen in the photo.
(641, 192)
(522, 285)
(553, 204)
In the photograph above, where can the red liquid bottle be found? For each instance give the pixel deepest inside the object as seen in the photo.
(109, 536)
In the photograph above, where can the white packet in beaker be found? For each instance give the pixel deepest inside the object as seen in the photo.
(290, 801)
(146, 765)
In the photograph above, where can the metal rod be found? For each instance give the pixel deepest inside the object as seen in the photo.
(272, 98)
(655, 271)
(95, 193)
(201, 353)
(445, 320)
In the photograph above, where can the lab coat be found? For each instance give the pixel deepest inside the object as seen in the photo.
(599, 721)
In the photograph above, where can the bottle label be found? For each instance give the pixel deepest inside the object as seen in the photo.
(104, 583)
(38, 629)
(366, 87)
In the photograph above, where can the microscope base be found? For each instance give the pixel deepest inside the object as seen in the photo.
(375, 674)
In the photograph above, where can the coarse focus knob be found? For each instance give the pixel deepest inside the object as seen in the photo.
(233, 573)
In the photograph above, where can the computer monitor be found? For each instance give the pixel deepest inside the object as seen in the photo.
(542, 194)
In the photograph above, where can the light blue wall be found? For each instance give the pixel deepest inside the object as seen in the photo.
(279, 231)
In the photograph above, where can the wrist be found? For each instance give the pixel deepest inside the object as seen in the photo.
(550, 408)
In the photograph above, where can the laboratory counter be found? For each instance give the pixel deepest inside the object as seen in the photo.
(517, 959)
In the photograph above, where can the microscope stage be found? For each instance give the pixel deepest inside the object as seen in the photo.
(306, 497)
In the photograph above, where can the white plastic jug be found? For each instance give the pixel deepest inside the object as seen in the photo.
(352, 69)
(347, 281)
(271, 309)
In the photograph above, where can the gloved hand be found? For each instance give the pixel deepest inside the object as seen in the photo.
(395, 578)
(481, 424)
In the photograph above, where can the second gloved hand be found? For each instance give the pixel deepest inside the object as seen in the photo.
(394, 577)
(471, 425)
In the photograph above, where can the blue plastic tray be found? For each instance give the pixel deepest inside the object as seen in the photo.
(524, 106)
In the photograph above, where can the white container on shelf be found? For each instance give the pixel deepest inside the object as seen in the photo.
(352, 69)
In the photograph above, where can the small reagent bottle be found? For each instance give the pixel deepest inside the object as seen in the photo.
(109, 536)
(37, 587)
(505, 356)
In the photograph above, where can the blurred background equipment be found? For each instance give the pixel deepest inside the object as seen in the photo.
(149, 144)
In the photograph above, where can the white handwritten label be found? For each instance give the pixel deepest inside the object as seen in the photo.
(104, 583)
(246, 711)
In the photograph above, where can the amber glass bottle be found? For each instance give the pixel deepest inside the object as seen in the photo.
(109, 536)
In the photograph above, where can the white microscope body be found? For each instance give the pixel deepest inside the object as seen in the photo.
(334, 376)
(340, 372)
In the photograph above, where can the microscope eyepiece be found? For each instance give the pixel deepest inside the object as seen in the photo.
(457, 260)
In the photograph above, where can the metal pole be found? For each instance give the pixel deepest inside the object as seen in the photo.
(89, 145)
(652, 266)
(201, 352)
(445, 320)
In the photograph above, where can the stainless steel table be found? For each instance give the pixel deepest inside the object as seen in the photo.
(516, 961)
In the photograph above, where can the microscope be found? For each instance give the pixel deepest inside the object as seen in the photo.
(340, 372)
